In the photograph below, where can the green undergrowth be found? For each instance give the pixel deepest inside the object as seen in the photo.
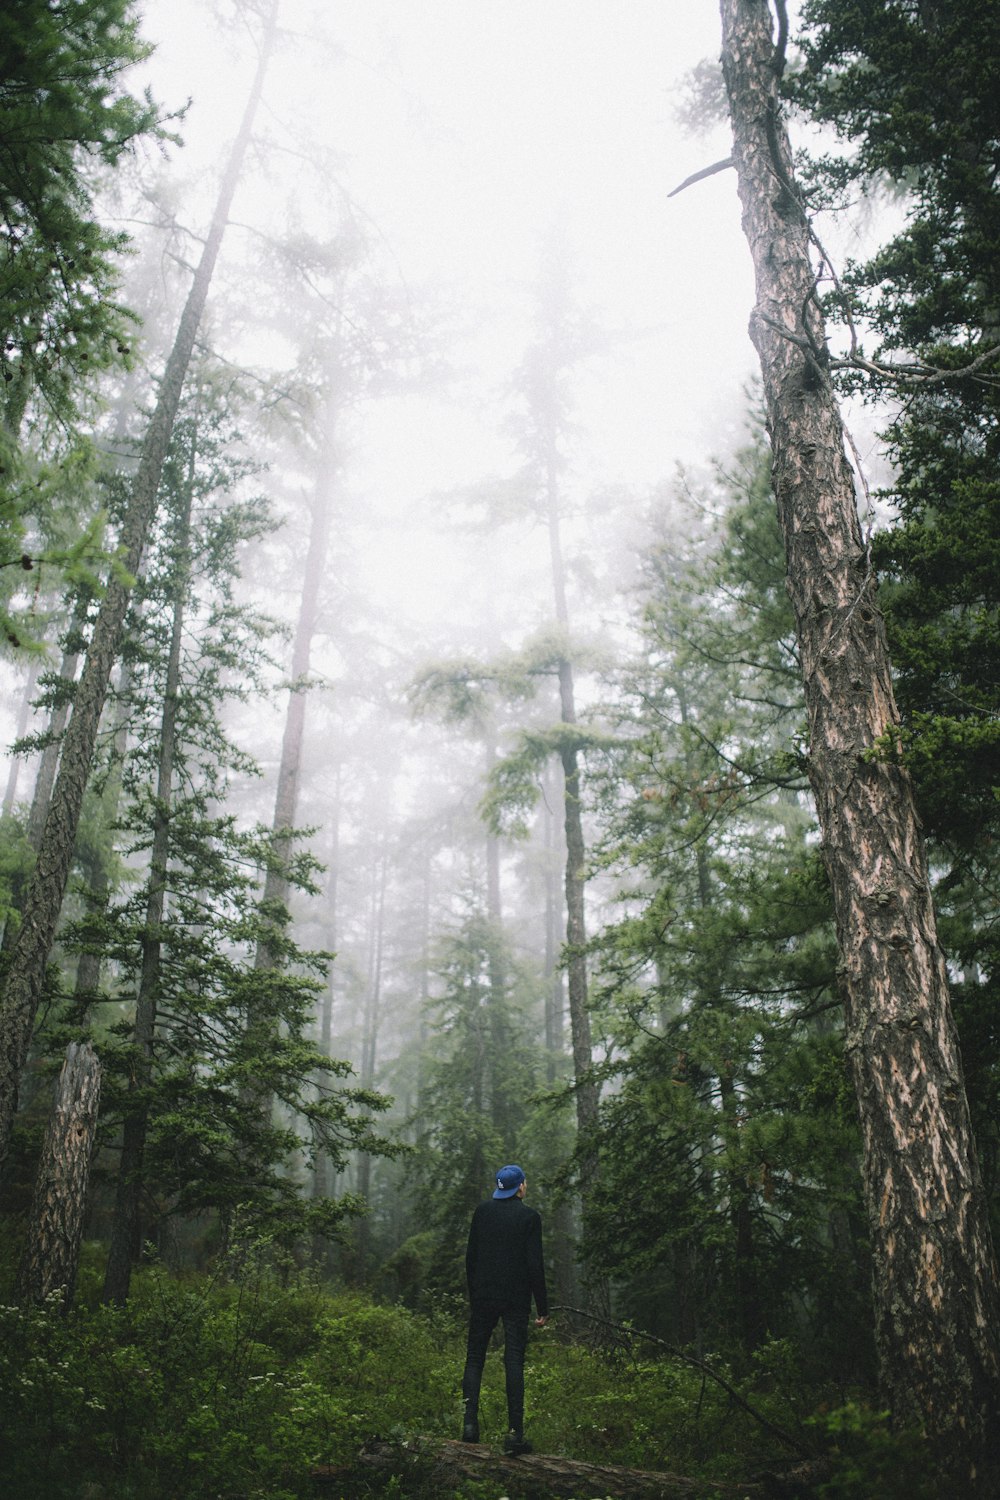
(220, 1391)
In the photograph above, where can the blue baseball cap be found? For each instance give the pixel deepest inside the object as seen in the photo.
(509, 1179)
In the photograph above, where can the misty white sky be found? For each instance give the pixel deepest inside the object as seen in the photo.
(465, 130)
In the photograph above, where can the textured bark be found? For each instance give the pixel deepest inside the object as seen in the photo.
(43, 900)
(935, 1281)
(60, 1200)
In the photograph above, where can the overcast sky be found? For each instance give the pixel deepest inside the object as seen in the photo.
(465, 131)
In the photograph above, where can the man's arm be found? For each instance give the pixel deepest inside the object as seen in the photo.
(470, 1251)
(536, 1272)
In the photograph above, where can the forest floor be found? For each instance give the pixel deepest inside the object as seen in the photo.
(270, 1390)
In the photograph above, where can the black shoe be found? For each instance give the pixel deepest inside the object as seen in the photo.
(470, 1432)
(515, 1443)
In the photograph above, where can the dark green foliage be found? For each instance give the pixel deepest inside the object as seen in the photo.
(207, 1392)
(226, 1034)
(729, 1148)
(245, 1387)
(65, 114)
(478, 1077)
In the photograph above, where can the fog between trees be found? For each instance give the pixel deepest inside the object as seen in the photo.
(448, 796)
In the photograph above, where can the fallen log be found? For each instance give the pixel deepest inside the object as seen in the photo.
(535, 1475)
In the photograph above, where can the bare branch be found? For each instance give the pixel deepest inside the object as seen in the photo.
(719, 166)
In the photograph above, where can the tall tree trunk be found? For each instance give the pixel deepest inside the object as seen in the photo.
(26, 975)
(126, 1243)
(60, 1200)
(586, 1091)
(88, 968)
(322, 1176)
(23, 717)
(369, 1040)
(501, 1111)
(49, 764)
(45, 776)
(937, 1316)
(555, 1000)
(286, 795)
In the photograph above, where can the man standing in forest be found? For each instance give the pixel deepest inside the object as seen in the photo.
(505, 1268)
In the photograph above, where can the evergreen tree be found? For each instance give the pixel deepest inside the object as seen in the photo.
(209, 1030)
(935, 1283)
(478, 1079)
(728, 1147)
(25, 977)
(65, 116)
(911, 92)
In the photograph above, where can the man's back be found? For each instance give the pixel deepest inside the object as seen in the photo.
(504, 1261)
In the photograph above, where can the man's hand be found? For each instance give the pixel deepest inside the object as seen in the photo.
(541, 1322)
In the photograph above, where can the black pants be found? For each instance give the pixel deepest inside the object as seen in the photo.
(482, 1321)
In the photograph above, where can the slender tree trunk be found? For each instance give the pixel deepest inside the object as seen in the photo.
(576, 851)
(60, 1200)
(88, 968)
(41, 793)
(586, 1092)
(555, 1000)
(23, 718)
(937, 1318)
(501, 1111)
(126, 1240)
(48, 765)
(369, 1041)
(26, 975)
(322, 1176)
(286, 795)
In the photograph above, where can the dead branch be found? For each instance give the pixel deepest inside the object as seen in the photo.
(718, 166)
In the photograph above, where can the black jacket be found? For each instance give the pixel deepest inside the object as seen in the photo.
(503, 1261)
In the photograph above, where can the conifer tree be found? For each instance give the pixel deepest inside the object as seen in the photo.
(26, 973)
(66, 117)
(937, 1302)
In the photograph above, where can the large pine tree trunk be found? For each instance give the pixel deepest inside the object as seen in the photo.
(935, 1281)
(60, 1200)
(43, 900)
